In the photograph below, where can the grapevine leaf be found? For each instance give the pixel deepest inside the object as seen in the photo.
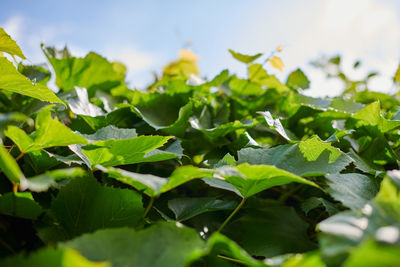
(244, 58)
(12, 80)
(83, 205)
(186, 208)
(50, 257)
(127, 151)
(163, 244)
(252, 179)
(8, 45)
(49, 133)
(20, 205)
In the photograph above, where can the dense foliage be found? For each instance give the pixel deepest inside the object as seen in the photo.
(226, 172)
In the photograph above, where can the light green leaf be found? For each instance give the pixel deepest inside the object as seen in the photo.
(291, 158)
(257, 74)
(224, 129)
(12, 80)
(298, 80)
(305, 260)
(371, 116)
(313, 147)
(371, 254)
(220, 248)
(9, 166)
(153, 185)
(252, 179)
(396, 77)
(93, 71)
(8, 45)
(50, 257)
(160, 245)
(83, 205)
(244, 58)
(49, 133)
(127, 151)
(43, 182)
(20, 205)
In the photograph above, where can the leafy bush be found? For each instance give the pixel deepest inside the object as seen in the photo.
(226, 172)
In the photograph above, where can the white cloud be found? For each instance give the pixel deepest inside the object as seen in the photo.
(13, 26)
(139, 63)
(368, 30)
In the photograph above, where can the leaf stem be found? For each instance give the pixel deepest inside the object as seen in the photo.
(20, 156)
(15, 188)
(231, 260)
(232, 214)
(148, 207)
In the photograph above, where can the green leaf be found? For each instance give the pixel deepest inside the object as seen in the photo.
(221, 184)
(252, 179)
(371, 254)
(12, 80)
(313, 147)
(163, 244)
(378, 220)
(305, 260)
(396, 77)
(49, 133)
(224, 129)
(127, 151)
(7, 118)
(9, 166)
(244, 58)
(83, 205)
(220, 248)
(354, 190)
(228, 159)
(276, 125)
(153, 185)
(291, 158)
(43, 182)
(270, 230)
(20, 205)
(38, 73)
(110, 132)
(50, 257)
(186, 208)
(371, 116)
(315, 202)
(259, 75)
(81, 105)
(93, 71)
(298, 80)
(362, 164)
(169, 112)
(8, 45)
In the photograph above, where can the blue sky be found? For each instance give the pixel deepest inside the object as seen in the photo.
(146, 35)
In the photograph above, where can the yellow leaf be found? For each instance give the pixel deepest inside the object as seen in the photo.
(188, 55)
(279, 48)
(276, 62)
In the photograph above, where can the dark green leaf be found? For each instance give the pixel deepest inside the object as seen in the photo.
(83, 205)
(164, 244)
